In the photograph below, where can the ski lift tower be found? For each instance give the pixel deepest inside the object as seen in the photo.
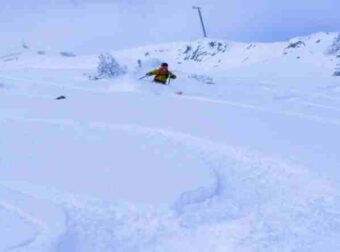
(201, 18)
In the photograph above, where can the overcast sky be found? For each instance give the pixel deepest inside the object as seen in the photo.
(100, 25)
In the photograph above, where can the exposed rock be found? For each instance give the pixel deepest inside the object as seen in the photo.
(67, 54)
(251, 46)
(297, 44)
(335, 47)
(24, 45)
(203, 49)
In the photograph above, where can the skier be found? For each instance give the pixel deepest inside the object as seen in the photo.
(162, 74)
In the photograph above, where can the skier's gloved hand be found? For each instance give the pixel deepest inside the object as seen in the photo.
(148, 74)
(173, 77)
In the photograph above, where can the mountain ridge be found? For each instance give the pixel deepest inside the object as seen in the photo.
(319, 51)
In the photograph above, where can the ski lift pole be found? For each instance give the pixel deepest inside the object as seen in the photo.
(201, 19)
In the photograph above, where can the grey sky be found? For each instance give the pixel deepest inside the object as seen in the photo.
(95, 25)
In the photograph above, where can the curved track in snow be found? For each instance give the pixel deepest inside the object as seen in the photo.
(254, 204)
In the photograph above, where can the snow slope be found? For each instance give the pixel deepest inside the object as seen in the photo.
(245, 160)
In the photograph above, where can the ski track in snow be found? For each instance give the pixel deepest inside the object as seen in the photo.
(44, 216)
(299, 98)
(291, 94)
(312, 104)
(30, 219)
(314, 118)
(284, 195)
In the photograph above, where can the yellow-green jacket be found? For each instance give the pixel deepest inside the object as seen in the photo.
(161, 75)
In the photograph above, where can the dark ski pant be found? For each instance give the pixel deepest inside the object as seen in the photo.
(159, 82)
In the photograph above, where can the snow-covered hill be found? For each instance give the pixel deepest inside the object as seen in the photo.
(302, 56)
(247, 159)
